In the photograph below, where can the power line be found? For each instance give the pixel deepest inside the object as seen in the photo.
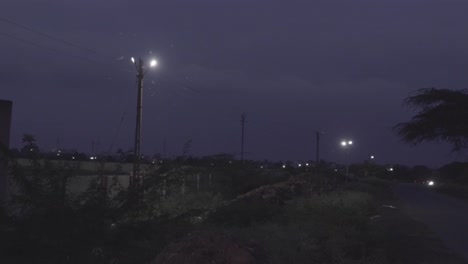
(56, 39)
(180, 83)
(38, 45)
(26, 41)
(68, 43)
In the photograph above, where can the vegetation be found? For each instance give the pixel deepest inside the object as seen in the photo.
(321, 217)
(442, 117)
(46, 221)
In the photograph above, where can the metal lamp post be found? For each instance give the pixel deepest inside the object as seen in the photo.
(141, 72)
(346, 144)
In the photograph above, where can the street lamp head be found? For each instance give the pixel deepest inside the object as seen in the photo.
(153, 63)
(133, 60)
(372, 157)
(344, 143)
(350, 142)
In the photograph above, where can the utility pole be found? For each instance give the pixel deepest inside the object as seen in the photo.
(141, 71)
(243, 117)
(165, 148)
(5, 125)
(317, 149)
(137, 147)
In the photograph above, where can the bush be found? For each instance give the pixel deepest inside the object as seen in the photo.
(244, 213)
(331, 228)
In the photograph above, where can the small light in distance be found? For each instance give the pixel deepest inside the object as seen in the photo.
(284, 166)
(372, 157)
(430, 183)
(350, 142)
(343, 143)
(153, 63)
(133, 60)
(307, 164)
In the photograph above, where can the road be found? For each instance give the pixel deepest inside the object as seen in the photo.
(444, 215)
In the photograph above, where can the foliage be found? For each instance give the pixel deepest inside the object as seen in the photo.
(330, 228)
(104, 223)
(455, 172)
(442, 117)
(244, 213)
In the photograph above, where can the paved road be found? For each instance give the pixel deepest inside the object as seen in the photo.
(445, 215)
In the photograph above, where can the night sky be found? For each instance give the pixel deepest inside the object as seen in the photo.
(339, 66)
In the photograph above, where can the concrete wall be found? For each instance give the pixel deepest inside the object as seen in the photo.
(5, 123)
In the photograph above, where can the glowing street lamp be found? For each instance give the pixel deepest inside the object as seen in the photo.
(346, 144)
(141, 72)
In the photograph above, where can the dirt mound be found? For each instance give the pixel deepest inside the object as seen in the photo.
(210, 247)
(276, 193)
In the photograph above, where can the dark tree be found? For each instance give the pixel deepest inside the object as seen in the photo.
(442, 116)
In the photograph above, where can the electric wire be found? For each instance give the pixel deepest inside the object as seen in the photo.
(68, 43)
(83, 48)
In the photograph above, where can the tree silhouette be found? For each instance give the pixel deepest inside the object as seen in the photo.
(442, 116)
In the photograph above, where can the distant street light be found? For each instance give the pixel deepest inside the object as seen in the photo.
(141, 72)
(346, 144)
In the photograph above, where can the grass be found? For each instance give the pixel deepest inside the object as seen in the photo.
(330, 228)
(346, 226)
(336, 227)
